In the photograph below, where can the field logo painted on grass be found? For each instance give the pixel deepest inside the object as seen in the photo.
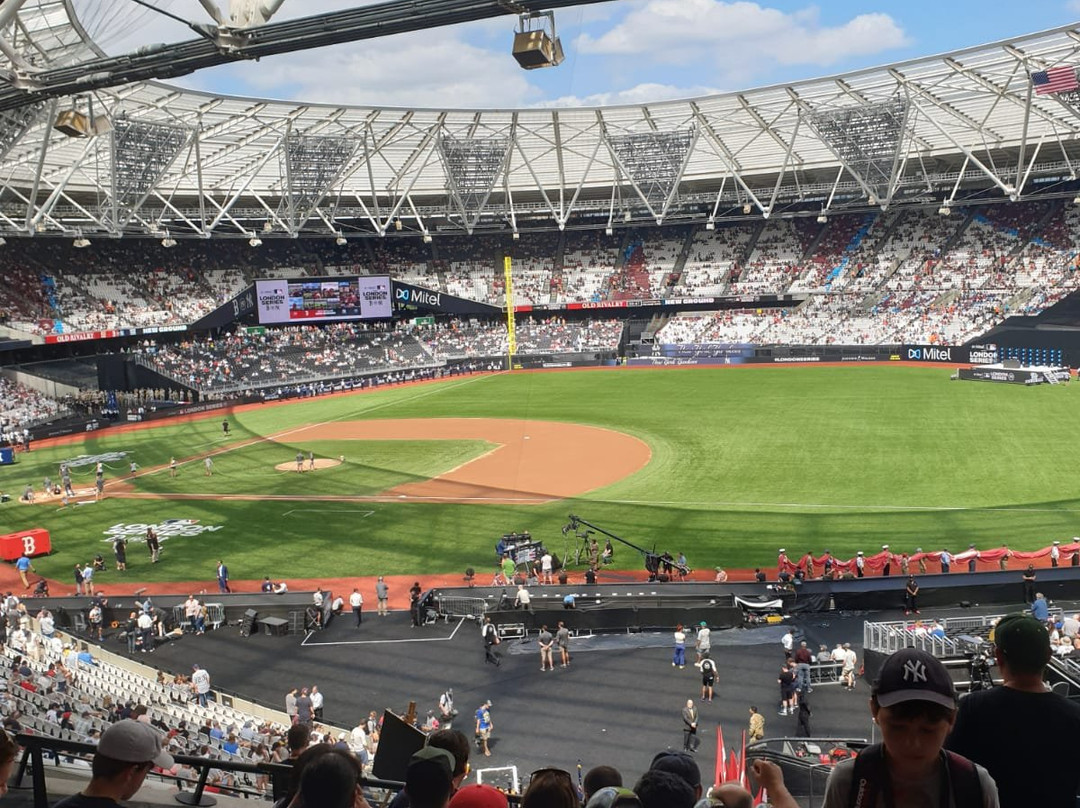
(93, 460)
(168, 529)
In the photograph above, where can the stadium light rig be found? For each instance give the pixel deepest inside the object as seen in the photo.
(341, 241)
(255, 241)
(945, 209)
(168, 241)
(80, 242)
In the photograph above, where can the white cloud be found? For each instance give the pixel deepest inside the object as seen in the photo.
(639, 94)
(1073, 6)
(685, 31)
(432, 71)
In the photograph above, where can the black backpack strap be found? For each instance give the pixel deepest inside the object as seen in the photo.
(964, 780)
(866, 777)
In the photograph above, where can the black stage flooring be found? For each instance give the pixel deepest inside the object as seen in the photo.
(618, 703)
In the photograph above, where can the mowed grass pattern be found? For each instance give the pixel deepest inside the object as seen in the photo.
(745, 460)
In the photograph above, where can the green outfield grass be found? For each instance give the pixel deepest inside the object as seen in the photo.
(744, 461)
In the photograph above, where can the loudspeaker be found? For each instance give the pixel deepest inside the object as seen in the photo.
(534, 49)
(247, 625)
(72, 123)
(397, 743)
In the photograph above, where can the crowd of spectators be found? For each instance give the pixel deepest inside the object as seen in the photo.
(921, 274)
(22, 407)
(714, 254)
(310, 355)
(53, 684)
(553, 335)
(240, 360)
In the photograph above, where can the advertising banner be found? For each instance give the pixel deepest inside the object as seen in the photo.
(406, 295)
(936, 353)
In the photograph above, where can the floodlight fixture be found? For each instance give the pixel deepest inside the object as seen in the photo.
(945, 209)
(427, 238)
(268, 226)
(80, 242)
(608, 231)
(746, 208)
(626, 216)
(255, 241)
(515, 235)
(822, 218)
(341, 241)
(3, 241)
(1076, 199)
(710, 225)
(397, 224)
(168, 241)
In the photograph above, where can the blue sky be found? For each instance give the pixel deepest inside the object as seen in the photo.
(623, 51)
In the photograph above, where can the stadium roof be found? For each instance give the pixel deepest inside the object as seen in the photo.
(154, 157)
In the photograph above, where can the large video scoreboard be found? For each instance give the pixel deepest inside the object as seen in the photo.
(320, 300)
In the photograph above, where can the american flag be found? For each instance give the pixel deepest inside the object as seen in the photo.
(1055, 80)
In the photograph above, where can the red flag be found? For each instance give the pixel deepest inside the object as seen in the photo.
(742, 764)
(721, 756)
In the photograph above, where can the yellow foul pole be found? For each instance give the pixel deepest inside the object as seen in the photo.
(511, 338)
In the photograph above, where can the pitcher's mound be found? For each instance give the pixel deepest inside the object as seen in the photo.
(320, 463)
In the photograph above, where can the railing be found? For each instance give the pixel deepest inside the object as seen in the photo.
(804, 775)
(889, 637)
(33, 758)
(892, 636)
(378, 792)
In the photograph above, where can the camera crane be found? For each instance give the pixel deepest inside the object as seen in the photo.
(652, 559)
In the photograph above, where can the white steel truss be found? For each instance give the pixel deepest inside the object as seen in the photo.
(141, 153)
(944, 126)
(654, 163)
(311, 165)
(473, 166)
(867, 139)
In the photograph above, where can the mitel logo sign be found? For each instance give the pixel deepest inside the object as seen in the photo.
(169, 529)
(412, 295)
(929, 353)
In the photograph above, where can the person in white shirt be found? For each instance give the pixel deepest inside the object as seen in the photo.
(523, 599)
(358, 740)
(545, 568)
(316, 701)
(847, 673)
(356, 602)
(191, 611)
(146, 631)
(200, 683)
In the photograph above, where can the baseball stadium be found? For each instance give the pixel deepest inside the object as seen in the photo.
(373, 402)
